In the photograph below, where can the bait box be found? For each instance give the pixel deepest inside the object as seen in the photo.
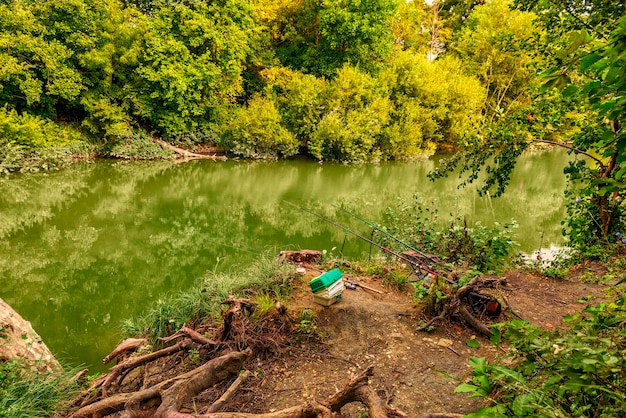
(320, 300)
(325, 280)
(335, 289)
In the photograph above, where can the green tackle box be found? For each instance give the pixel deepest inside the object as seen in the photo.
(325, 280)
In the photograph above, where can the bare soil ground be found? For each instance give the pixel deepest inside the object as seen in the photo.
(416, 371)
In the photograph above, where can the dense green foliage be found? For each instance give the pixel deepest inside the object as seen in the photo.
(580, 99)
(577, 372)
(340, 80)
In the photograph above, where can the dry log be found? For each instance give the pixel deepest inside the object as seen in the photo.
(188, 155)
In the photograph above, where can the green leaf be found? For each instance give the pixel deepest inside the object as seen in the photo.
(479, 364)
(466, 388)
(570, 91)
(589, 60)
(522, 405)
(472, 343)
(497, 411)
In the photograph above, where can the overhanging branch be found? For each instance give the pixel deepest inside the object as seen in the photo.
(576, 150)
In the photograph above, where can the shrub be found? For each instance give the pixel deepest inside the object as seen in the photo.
(578, 372)
(256, 132)
(484, 248)
(138, 146)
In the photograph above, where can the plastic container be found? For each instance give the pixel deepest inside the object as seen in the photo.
(335, 289)
(325, 301)
(325, 280)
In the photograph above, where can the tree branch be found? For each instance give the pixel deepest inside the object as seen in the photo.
(576, 150)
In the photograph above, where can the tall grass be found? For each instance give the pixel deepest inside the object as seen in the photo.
(266, 275)
(26, 393)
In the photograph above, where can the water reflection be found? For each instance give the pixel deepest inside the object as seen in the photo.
(82, 249)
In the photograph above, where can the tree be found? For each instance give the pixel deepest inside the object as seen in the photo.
(496, 44)
(192, 63)
(319, 37)
(434, 104)
(590, 65)
(37, 67)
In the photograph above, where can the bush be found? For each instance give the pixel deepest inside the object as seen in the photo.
(579, 372)
(486, 249)
(32, 132)
(138, 146)
(256, 132)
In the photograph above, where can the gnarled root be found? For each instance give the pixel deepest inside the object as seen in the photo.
(172, 393)
(457, 303)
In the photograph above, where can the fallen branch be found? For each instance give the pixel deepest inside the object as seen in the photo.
(188, 155)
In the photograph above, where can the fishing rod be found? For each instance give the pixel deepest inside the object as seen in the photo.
(399, 241)
(387, 250)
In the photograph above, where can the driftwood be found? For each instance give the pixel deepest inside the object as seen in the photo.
(188, 155)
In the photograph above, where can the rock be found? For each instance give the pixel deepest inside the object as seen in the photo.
(21, 342)
(444, 342)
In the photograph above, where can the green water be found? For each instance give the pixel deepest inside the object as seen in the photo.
(84, 248)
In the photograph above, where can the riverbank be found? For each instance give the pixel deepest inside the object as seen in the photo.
(320, 349)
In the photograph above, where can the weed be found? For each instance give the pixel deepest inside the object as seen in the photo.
(264, 304)
(266, 276)
(487, 249)
(307, 323)
(26, 393)
(193, 359)
(396, 278)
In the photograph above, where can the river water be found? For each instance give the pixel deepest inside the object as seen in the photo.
(84, 248)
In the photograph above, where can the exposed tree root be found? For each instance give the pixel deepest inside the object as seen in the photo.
(171, 397)
(232, 390)
(464, 302)
(173, 392)
(130, 344)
